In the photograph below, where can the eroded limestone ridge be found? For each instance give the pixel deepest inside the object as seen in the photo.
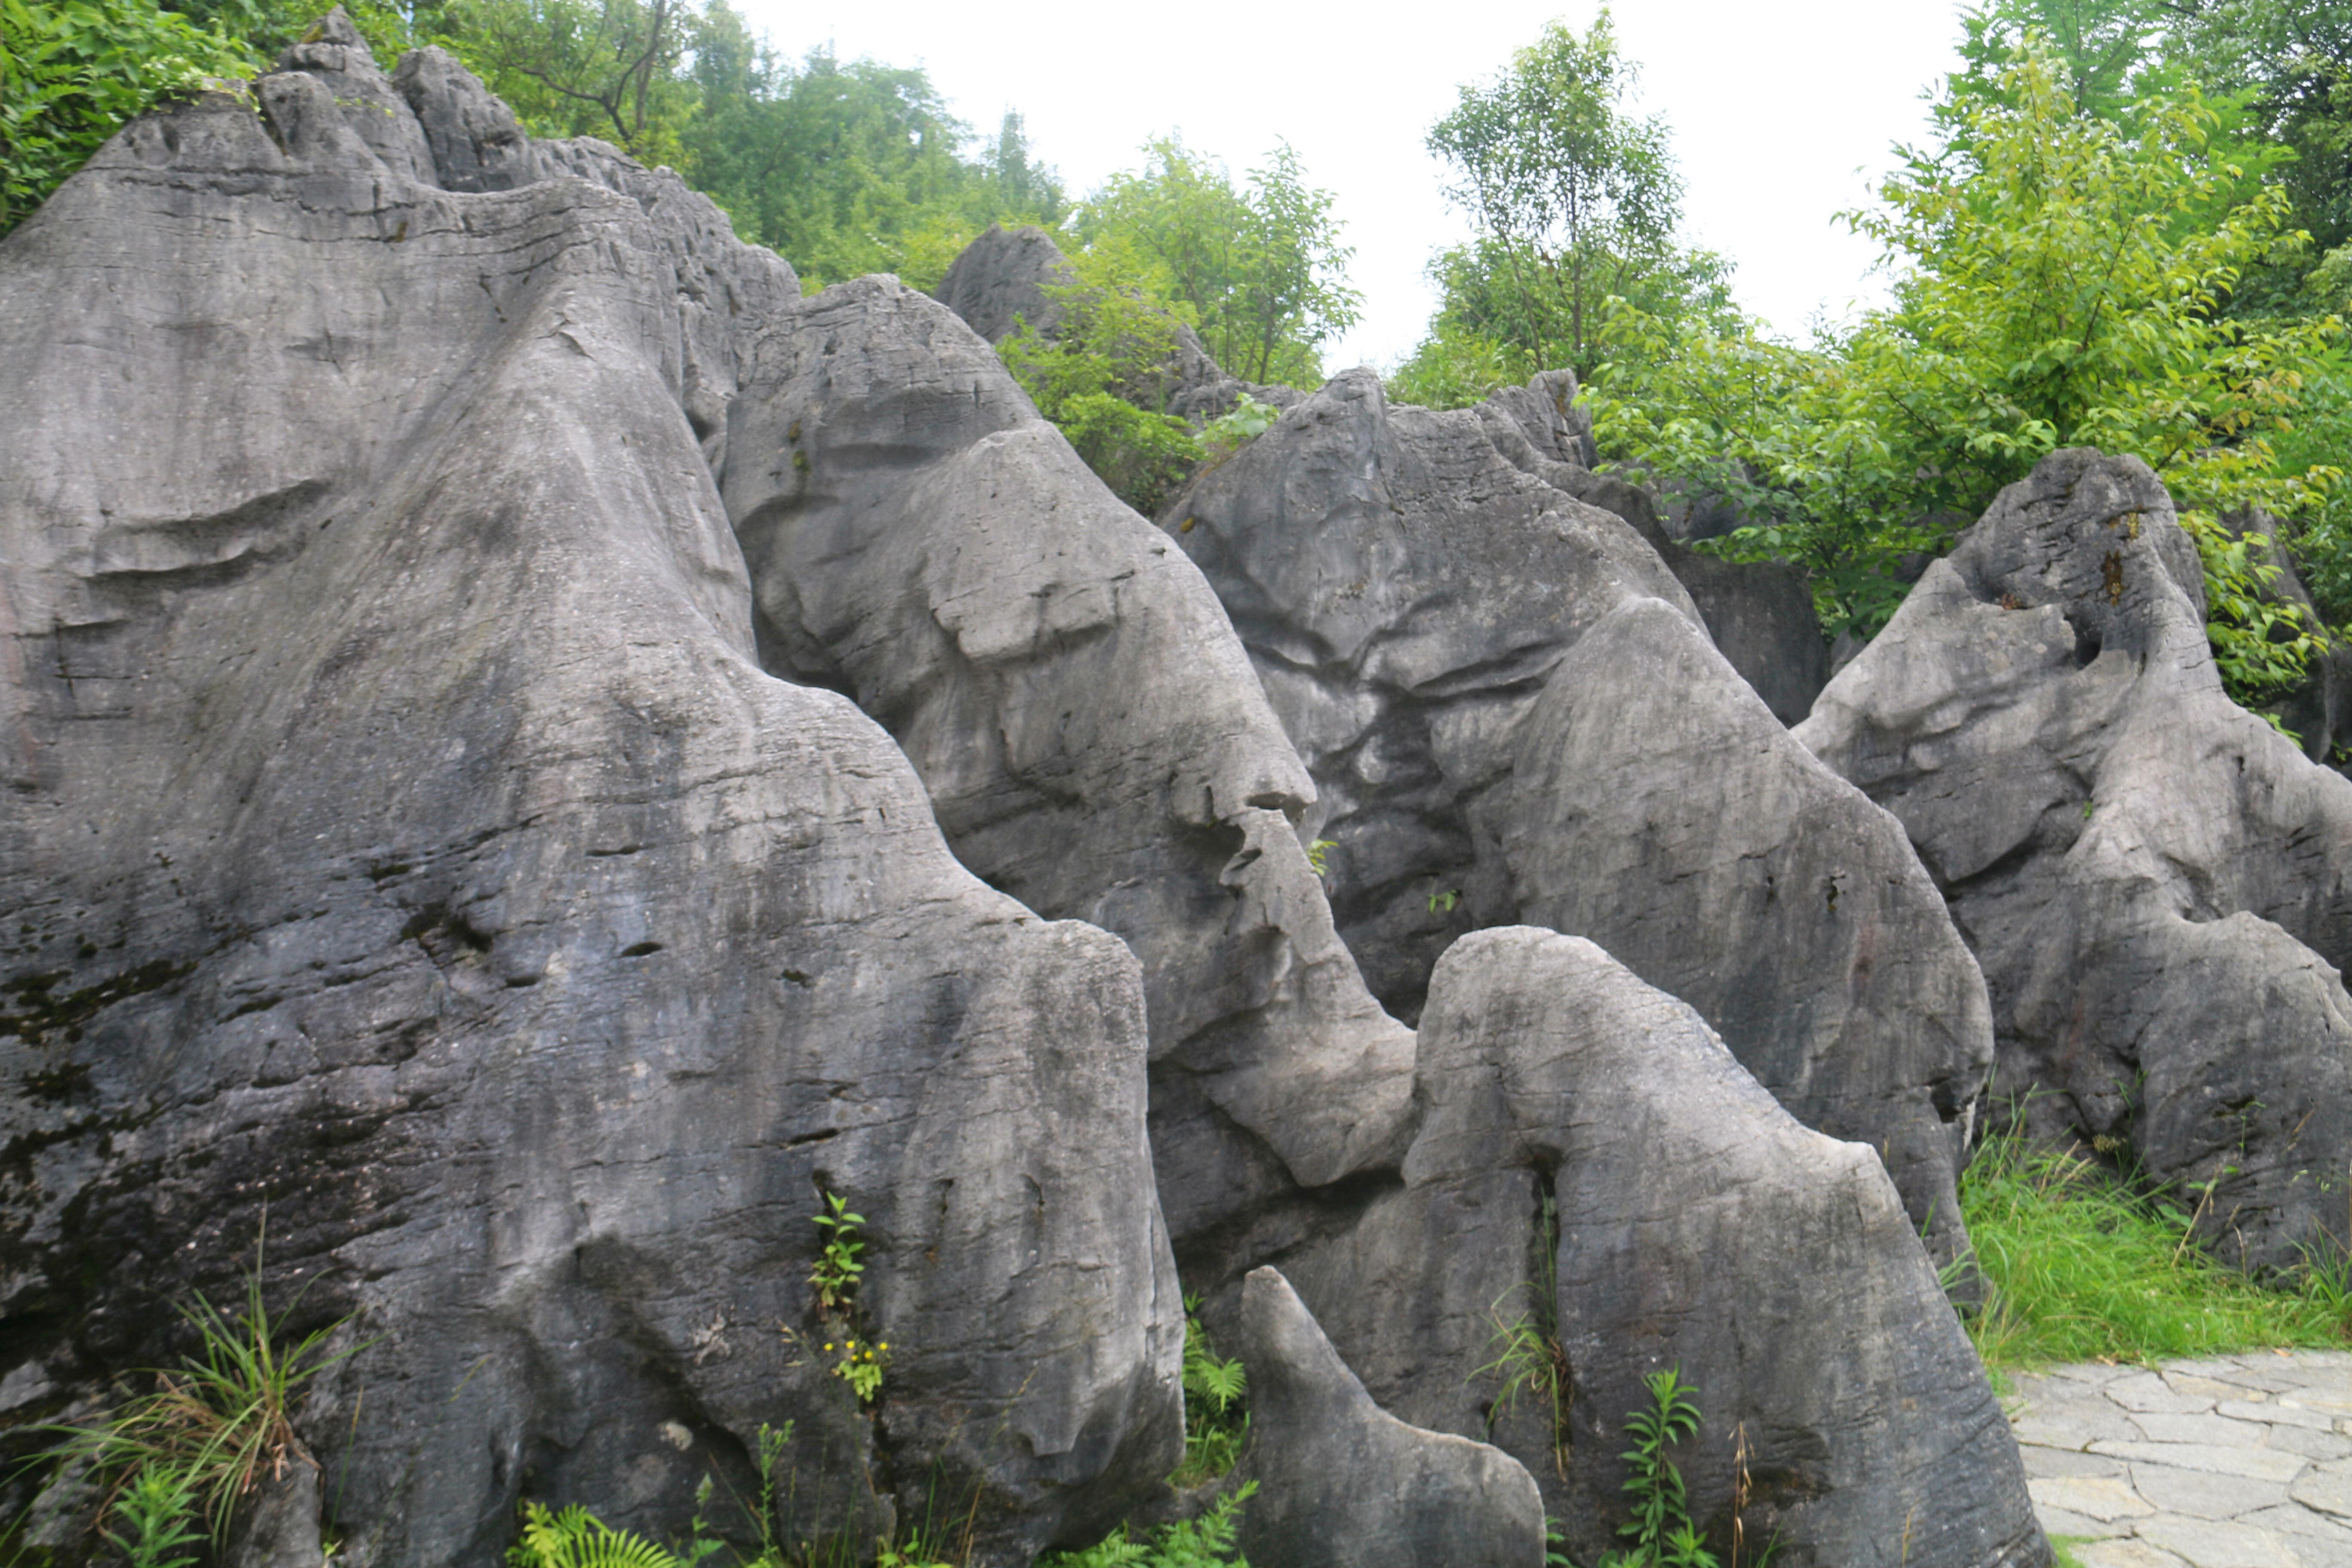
(2154, 880)
(543, 758)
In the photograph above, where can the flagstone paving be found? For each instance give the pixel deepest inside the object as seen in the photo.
(2241, 1461)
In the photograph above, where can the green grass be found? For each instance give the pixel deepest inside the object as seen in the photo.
(2079, 1266)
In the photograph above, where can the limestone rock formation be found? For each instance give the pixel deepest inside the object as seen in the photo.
(1343, 1484)
(405, 526)
(1512, 710)
(400, 834)
(1092, 737)
(1601, 1172)
(2155, 881)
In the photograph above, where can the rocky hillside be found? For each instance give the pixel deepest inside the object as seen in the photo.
(540, 759)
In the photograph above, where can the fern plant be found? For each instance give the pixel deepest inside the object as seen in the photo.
(1204, 1543)
(575, 1538)
(1215, 1424)
(158, 1514)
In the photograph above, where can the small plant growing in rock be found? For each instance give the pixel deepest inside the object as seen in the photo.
(1215, 1424)
(209, 1434)
(578, 1539)
(1204, 1543)
(1660, 1532)
(860, 1366)
(1318, 851)
(838, 1270)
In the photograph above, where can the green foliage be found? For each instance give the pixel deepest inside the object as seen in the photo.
(1216, 1421)
(1529, 1360)
(860, 1366)
(575, 1538)
(1660, 1534)
(73, 72)
(211, 1431)
(1258, 266)
(1106, 372)
(2080, 1265)
(837, 1271)
(1204, 1543)
(158, 1516)
(1316, 852)
(1576, 203)
(1229, 432)
(2049, 299)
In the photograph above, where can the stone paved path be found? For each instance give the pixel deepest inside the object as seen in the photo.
(2241, 1462)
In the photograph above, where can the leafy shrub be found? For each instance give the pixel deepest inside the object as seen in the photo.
(1106, 372)
(2067, 283)
(575, 1538)
(73, 72)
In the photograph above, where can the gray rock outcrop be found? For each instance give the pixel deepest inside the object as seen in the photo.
(1513, 711)
(1344, 1484)
(408, 836)
(400, 834)
(1594, 1167)
(1089, 729)
(2154, 880)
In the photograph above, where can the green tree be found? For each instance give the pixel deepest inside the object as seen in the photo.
(1108, 373)
(586, 67)
(1576, 202)
(1259, 267)
(2047, 297)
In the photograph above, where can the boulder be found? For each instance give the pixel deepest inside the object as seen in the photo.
(403, 840)
(1513, 710)
(1088, 725)
(1598, 1191)
(1343, 1484)
(2154, 881)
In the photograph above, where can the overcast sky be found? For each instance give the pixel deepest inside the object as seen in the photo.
(1782, 114)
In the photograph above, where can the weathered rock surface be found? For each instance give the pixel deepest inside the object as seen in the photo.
(1344, 1484)
(401, 833)
(2319, 711)
(1592, 1162)
(1086, 722)
(1510, 706)
(2154, 881)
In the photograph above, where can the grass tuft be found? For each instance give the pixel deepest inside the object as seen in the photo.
(2079, 1266)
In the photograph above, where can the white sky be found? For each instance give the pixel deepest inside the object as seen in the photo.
(1782, 114)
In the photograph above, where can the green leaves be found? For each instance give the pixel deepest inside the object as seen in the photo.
(1257, 267)
(74, 72)
(2064, 281)
(578, 1539)
(1575, 200)
(1215, 1424)
(838, 1270)
(1660, 1529)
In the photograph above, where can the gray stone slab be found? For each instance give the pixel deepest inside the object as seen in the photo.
(2328, 1487)
(2256, 1464)
(2313, 1445)
(2046, 1462)
(2071, 1428)
(2204, 1426)
(2215, 1543)
(2106, 1499)
(2322, 1542)
(2126, 1553)
(2201, 1494)
(2059, 1524)
(2283, 1411)
(2148, 1391)
(2227, 1383)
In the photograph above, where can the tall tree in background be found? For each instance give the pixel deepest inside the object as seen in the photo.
(1576, 202)
(1258, 269)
